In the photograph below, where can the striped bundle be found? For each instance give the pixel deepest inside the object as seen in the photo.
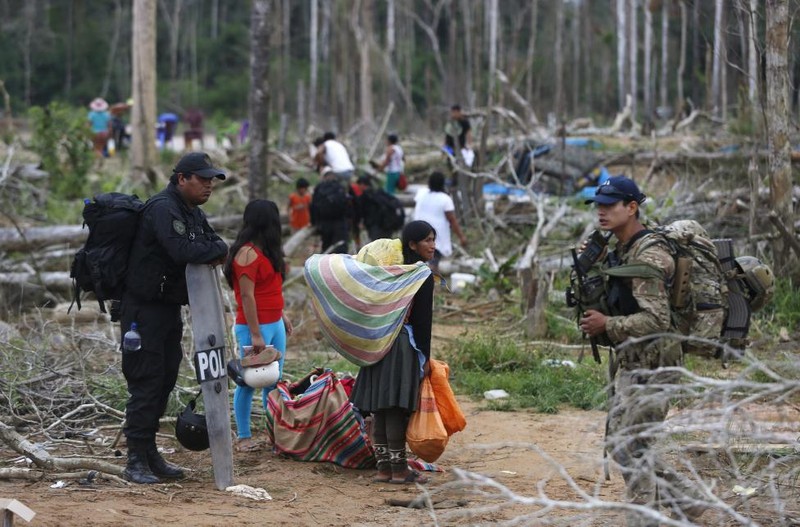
(320, 425)
(361, 307)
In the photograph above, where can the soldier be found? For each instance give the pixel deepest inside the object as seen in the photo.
(639, 308)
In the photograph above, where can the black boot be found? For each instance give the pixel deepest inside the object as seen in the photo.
(137, 469)
(159, 466)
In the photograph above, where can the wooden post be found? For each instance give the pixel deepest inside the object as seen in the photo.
(11, 508)
(208, 329)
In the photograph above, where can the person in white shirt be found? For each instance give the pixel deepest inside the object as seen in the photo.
(333, 154)
(392, 163)
(436, 207)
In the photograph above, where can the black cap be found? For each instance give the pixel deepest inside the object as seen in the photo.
(617, 188)
(199, 164)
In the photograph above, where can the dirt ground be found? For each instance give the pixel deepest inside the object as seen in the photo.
(324, 494)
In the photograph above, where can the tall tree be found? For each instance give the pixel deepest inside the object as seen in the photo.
(682, 57)
(559, 60)
(780, 163)
(633, 47)
(259, 98)
(648, 57)
(664, 53)
(174, 22)
(314, 52)
(532, 32)
(716, 73)
(622, 50)
(362, 31)
(752, 55)
(143, 91)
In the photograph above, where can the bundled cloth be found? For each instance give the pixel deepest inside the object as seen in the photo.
(361, 307)
(319, 424)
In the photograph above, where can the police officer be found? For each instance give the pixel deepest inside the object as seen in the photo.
(172, 232)
(639, 310)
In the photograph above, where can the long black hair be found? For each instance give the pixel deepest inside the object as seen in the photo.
(414, 231)
(261, 226)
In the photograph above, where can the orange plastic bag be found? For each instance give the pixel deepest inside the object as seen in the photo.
(452, 416)
(426, 435)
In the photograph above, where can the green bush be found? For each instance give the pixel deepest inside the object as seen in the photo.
(62, 139)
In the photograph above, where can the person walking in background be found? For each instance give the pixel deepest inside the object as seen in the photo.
(458, 136)
(389, 389)
(255, 270)
(331, 213)
(299, 206)
(333, 154)
(381, 213)
(392, 163)
(100, 123)
(173, 231)
(437, 208)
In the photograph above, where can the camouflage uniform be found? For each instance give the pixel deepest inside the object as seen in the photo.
(641, 399)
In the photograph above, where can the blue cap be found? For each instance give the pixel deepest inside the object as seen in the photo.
(617, 188)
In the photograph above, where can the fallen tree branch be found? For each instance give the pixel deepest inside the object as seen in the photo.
(42, 458)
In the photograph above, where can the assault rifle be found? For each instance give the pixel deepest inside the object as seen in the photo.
(587, 288)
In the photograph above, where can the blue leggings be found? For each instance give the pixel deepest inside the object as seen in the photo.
(274, 333)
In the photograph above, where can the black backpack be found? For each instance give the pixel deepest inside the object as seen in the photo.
(100, 265)
(330, 200)
(391, 214)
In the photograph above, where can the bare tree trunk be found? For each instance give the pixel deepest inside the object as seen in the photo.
(112, 48)
(716, 73)
(682, 58)
(559, 61)
(648, 56)
(282, 82)
(312, 86)
(665, 53)
(622, 51)
(696, 53)
(174, 23)
(361, 22)
(325, 55)
(752, 56)
(466, 10)
(143, 91)
(576, 58)
(531, 50)
(214, 19)
(780, 168)
(259, 98)
(633, 46)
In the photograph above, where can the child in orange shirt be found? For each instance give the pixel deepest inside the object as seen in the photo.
(299, 203)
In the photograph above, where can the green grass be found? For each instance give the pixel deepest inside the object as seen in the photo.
(483, 364)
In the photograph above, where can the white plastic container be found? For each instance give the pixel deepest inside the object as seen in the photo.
(491, 395)
(459, 281)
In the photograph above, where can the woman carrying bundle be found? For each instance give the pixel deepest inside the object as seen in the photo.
(389, 389)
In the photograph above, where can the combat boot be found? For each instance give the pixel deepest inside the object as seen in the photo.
(137, 470)
(159, 466)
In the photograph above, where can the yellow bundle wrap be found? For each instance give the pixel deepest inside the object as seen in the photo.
(382, 252)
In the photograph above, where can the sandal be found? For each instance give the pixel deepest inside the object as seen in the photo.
(411, 477)
(248, 444)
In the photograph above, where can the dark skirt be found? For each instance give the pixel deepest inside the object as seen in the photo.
(391, 383)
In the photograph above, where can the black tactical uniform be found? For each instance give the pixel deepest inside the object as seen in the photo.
(170, 235)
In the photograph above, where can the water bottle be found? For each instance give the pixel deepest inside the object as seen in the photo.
(132, 341)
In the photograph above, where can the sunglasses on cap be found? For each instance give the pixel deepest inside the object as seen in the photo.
(613, 192)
